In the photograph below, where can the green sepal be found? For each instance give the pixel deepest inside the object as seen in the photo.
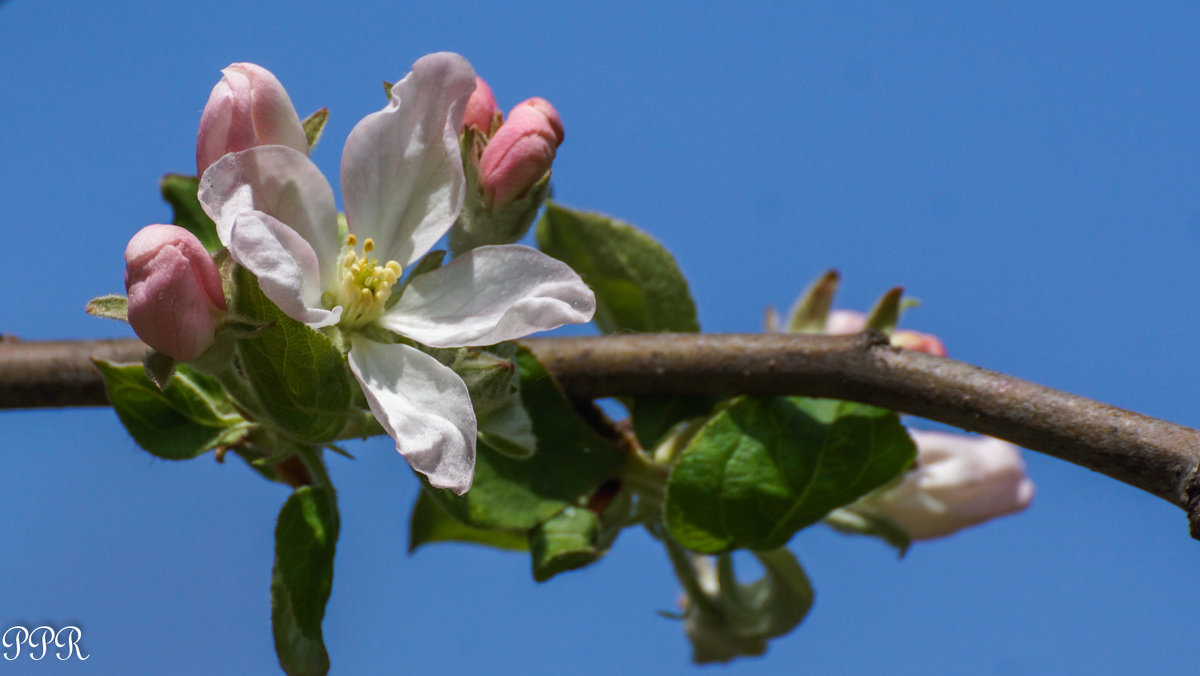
(314, 126)
(566, 542)
(494, 385)
(159, 368)
(761, 469)
(305, 541)
(431, 523)
(811, 311)
(111, 306)
(387, 89)
(180, 192)
(297, 373)
(570, 461)
(639, 288)
(186, 418)
(850, 521)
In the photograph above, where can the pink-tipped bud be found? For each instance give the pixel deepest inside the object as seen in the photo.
(919, 342)
(841, 322)
(481, 108)
(958, 481)
(247, 108)
(521, 152)
(175, 295)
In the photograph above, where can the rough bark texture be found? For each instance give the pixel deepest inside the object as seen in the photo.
(1157, 456)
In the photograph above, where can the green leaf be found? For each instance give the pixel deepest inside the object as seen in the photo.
(653, 416)
(191, 415)
(431, 523)
(298, 654)
(566, 542)
(180, 192)
(305, 540)
(638, 286)
(739, 618)
(763, 468)
(314, 126)
(570, 461)
(111, 306)
(297, 373)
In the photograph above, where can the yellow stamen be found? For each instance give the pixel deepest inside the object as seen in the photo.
(366, 284)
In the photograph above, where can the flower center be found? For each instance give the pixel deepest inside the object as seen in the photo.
(365, 284)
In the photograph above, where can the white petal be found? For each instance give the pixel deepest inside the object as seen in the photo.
(425, 408)
(278, 181)
(491, 294)
(402, 175)
(284, 264)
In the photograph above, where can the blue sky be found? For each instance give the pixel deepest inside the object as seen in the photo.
(1028, 170)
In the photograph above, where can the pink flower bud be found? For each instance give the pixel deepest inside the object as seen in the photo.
(481, 108)
(175, 295)
(521, 152)
(959, 481)
(841, 322)
(247, 108)
(919, 342)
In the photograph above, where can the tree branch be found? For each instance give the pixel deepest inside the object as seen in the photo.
(1157, 456)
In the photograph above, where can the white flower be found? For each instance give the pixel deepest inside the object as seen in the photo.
(959, 480)
(403, 185)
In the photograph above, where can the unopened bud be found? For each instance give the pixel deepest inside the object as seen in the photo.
(958, 481)
(919, 342)
(247, 108)
(521, 152)
(175, 295)
(481, 108)
(841, 322)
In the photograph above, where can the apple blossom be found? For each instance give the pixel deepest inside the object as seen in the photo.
(481, 108)
(958, 481)
(175, 295)
(521, 152)
(403, 186)
(247, 108)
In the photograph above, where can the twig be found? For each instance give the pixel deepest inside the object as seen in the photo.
(1157, 456)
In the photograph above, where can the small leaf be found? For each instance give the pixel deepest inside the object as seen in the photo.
(314, 126)
(305, 541)
(296, 372)
(188, 417)
(886, 313)
(180, 192)
(298, 654)
(738, 619)
(763, 468)
(566, 542)
(811, 310)
(112, 306)
(638, 286)
(431, 523)
(570, 461)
